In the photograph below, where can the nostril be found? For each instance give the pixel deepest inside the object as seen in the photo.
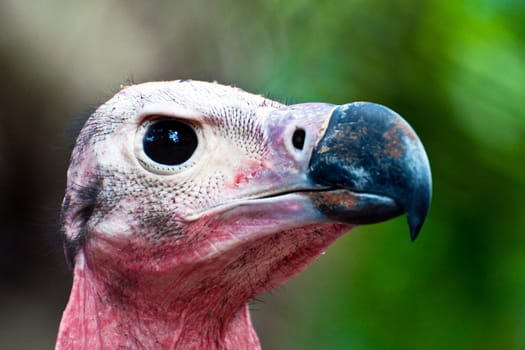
(298, 138)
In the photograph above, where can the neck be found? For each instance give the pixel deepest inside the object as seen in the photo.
(101, 317)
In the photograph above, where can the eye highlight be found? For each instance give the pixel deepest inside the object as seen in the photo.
(169, 142)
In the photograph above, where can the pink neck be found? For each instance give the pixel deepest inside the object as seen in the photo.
(98, 318)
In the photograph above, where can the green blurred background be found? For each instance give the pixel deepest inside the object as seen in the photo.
(454, 69)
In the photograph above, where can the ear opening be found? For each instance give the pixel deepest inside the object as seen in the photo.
(77, 208)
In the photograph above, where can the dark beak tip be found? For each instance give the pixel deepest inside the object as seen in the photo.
(415, 225)
(417, 215)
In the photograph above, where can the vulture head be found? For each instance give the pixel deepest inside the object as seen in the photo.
(186, 199)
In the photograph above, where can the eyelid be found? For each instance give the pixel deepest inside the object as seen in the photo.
(170, 110)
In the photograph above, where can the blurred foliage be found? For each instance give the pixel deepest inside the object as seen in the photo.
(454, 69)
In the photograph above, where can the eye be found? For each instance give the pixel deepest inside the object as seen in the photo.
(169, 142)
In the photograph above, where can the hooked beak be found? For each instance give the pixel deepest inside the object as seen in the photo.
(375, 166)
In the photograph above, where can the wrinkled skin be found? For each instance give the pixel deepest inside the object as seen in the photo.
(167, 257)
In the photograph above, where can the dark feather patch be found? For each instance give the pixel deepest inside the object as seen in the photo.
(80, 207)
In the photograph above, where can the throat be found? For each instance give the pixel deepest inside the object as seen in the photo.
(97, 317)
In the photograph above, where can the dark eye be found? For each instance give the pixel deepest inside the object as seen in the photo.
(169, 142)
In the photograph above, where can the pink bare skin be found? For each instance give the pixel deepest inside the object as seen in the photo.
(196, 306)
(167, 252)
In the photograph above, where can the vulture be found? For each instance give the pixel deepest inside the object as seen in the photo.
(187, 199)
